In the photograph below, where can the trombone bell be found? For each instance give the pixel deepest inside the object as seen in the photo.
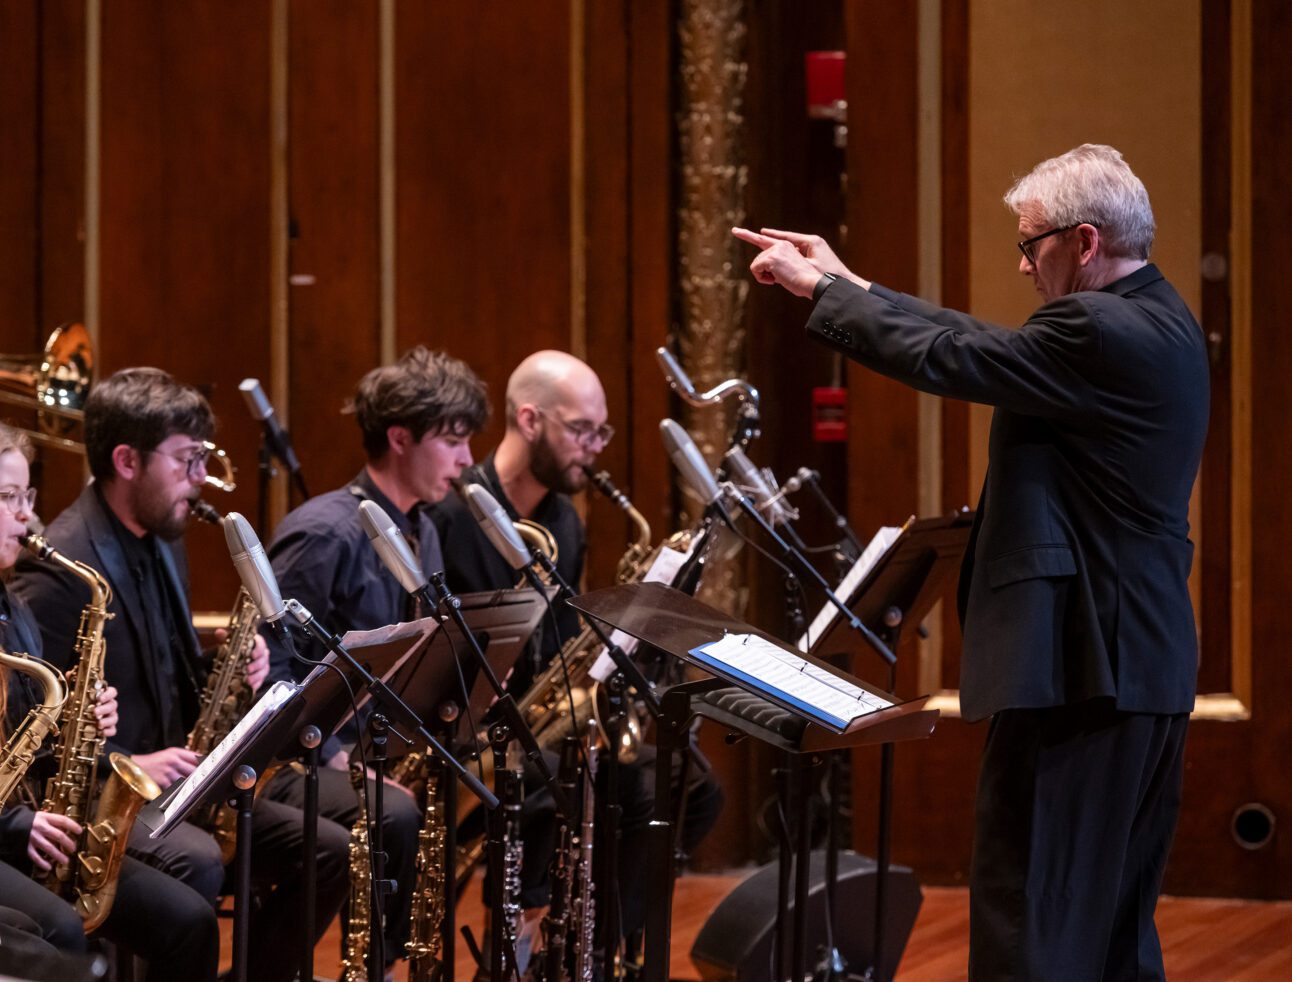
(54, 383)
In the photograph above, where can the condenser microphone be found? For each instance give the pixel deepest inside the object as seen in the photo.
(497, 527)
(253, 567)
(277, 439)
(751, 480)
(393, 548)
(690, 463)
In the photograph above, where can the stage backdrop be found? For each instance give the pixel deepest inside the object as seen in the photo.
(298, 190)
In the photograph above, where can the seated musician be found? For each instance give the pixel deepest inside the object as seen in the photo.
(154, 915)
(416, 418)
(144, 441)
(556, 426)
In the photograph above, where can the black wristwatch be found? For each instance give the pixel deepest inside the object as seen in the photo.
(822, 285)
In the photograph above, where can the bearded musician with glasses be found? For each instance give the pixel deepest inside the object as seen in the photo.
(146, 444)
(556, 425)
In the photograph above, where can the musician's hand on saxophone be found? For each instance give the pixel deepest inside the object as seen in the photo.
(257, 666)
(52, 840)
(169, 765)
(105, 711)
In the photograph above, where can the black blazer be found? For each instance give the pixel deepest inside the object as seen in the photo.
(84, 532)
(1075, 582)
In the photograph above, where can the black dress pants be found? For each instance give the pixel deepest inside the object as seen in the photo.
(1076, 810)
(190, 856)
(154, 916)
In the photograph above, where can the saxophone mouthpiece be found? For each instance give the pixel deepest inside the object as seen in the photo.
(204, 511)
(602, 482)
(36, 545)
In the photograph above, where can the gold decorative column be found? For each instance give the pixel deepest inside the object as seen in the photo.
(711, 271)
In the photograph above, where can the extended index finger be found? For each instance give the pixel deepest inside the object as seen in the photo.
(795, 238)
(753, 238)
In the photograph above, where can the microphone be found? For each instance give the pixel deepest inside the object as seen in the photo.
(690, 463)
(277, 438)
(497, 527)
(749, 478)
(393, 549)
(253, 567)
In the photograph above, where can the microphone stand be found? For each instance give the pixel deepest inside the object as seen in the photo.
(395, 707)
(627, 674)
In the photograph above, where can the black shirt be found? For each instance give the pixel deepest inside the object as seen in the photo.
(471, 563)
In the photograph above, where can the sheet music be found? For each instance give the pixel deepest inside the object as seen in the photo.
(266, 706)
(663, 570)
(827, 615)
(818, 692)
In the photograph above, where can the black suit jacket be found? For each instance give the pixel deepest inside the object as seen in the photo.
(1075, 582)
(84, 532)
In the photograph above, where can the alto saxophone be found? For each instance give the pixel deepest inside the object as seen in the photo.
(547, 705)
(20, 749)
(225, 700)
(424, 940)
(359, 928)
(90, 882)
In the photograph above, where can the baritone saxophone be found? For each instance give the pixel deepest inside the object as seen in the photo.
(89, 883)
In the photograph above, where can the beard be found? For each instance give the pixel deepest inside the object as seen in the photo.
(548, 470)
(168, 522)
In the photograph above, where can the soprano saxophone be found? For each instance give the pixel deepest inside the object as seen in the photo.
(20, 749)
(90, 882)
(359, 928)
(424, 942)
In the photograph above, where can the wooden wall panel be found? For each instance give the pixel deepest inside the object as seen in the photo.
(483, 185)
(185, 218)
(335, 264)
(19, 156)
(61, 281)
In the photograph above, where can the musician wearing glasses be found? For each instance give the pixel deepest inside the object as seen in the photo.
(146, 443)
(154, 915)
(1079, 637)
(556, 427)
(415, 419)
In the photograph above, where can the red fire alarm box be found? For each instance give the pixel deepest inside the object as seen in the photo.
(825, 91)
(829, 414)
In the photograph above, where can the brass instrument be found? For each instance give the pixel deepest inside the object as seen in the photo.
(547, 705)
(91, 883)
(20, 749)
(359, 928)
(538, 537)
(56, 383)
(427, 918)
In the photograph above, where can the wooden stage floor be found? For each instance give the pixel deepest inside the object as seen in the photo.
(1203, 939)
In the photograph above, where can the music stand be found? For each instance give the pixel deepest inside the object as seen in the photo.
(900, 589)
(679, 624)
(428, 680)
(279, 724)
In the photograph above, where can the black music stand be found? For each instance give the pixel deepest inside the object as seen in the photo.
(676, 623)
(308, 712)
(900, 589)
(428, 680)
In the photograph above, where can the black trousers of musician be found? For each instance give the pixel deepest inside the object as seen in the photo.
(154, 916)
(24, 953)
(189, 855)
(339, 804)
(1076, 809)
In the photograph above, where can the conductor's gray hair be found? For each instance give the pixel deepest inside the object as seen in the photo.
(1090, 184)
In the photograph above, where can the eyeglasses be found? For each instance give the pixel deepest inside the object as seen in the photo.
(193, 461)
(1028, 246)
(15, 501)
(584, 433)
